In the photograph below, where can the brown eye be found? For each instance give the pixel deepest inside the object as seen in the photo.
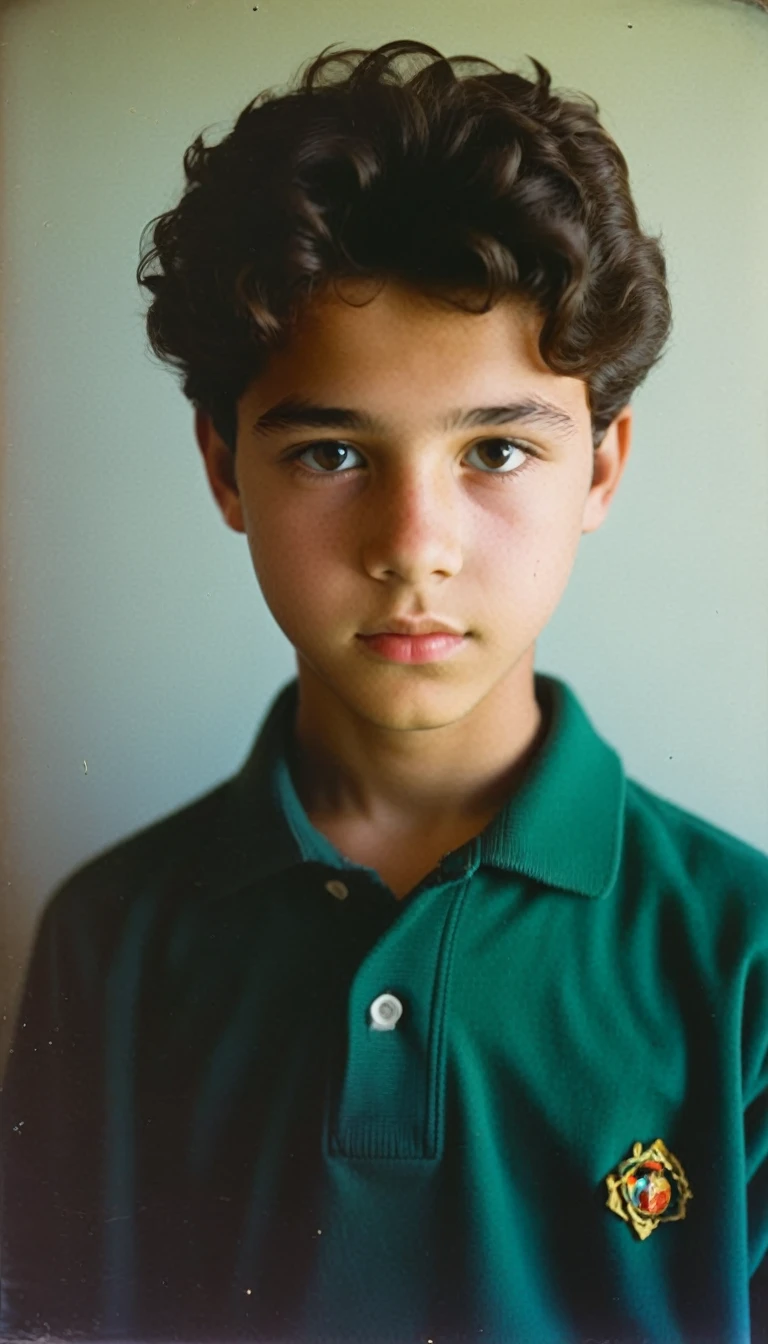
(504, 455)
(328, 453)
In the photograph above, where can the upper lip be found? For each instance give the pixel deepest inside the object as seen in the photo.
(426, 625)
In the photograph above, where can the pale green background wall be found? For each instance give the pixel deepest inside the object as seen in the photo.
(136, 639)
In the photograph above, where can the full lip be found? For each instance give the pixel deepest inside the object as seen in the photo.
(412, 629)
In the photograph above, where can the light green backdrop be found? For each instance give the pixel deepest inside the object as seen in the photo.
(139, 655)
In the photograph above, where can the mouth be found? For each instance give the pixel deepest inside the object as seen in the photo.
(428, 647)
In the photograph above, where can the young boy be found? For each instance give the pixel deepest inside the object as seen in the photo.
(428, 1025)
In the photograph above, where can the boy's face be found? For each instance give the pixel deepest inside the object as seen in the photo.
(414, 518)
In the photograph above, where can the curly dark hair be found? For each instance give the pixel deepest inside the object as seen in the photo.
(467, 187)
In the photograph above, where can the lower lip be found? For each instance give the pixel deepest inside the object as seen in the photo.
(414, 648)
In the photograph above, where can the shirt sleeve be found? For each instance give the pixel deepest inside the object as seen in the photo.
(49, 1138)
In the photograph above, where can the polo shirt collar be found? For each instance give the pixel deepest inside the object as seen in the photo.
(562, 826)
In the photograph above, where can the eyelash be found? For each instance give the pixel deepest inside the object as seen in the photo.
(295, 464)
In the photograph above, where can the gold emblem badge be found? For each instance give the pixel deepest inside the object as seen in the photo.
(648, 1188)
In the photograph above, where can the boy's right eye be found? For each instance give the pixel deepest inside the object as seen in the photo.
(331, 447)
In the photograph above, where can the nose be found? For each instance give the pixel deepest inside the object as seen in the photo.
(413, 524)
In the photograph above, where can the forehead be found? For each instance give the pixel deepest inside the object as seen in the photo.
(361, 338)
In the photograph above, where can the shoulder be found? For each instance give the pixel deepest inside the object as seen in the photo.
(104, 912)
(682, 838)
(169, 853)
(679, 851)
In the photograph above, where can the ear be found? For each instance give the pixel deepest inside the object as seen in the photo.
(220, 469)
(609, 462)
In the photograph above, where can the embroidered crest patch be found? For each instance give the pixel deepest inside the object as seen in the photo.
(648, 1188)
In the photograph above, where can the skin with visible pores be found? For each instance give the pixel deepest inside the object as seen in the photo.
(413, 520)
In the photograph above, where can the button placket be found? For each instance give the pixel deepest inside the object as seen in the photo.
(385, 1098)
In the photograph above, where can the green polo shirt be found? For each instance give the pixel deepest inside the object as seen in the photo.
(254, 1096)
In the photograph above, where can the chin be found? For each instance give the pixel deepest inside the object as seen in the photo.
(408, 697)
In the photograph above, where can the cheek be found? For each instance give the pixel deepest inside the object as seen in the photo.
(526, 563)
(296, 561)
(534, 544)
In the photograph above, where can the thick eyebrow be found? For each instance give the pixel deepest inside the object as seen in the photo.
(294, 412)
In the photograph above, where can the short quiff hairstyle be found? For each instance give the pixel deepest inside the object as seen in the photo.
(469, 187)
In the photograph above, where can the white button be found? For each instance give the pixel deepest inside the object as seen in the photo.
(337, 889)
(386, 1012)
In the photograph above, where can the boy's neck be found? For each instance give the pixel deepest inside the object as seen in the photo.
(351, 772)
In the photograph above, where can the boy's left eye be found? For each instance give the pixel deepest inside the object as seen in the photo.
(509, 456)
(511, 462)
